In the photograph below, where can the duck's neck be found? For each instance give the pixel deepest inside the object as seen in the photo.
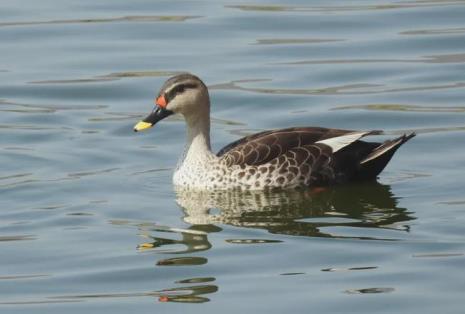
(197, 150)
(198, 133)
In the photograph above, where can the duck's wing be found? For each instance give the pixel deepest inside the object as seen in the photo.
(260, 148)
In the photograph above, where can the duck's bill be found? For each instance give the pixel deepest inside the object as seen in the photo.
(156, 115)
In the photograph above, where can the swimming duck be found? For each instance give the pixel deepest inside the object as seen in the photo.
(283, 158)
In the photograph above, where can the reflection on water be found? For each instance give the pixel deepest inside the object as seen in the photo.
(309, 212)
(186, 294)
(350, 269)
(183, 261)
(191, 294)
(193, 239)
(369, 290)
(298, 212)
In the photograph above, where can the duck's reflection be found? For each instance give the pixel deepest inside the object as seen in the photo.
(297, 212)
(189, 294)
(365, 209)
(193, 239)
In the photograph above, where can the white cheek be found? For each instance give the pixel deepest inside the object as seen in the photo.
(173, 106)
(177, 104)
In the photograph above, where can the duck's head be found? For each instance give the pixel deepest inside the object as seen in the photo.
(185, 94)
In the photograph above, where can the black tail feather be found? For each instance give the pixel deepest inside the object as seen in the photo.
(377, 160)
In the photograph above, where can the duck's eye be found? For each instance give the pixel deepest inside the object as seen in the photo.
(178, 89)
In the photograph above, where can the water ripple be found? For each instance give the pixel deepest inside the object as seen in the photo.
(134, 18)
(68, 177)
(295, 41)
(400, 107)
(79, 175)
(117, 116)
(346, 8)
(36, 302)
(30, 127)
(445, 58)
(19, 277)
(15, 176)
(109, 77)
(348, 89)
(430, 130)
(292, 274)
(436, 255)
(457, 202)
(49, 108)
(369, 290)
(437, 31)
(142, 172)
(25, 237)
(349, 269)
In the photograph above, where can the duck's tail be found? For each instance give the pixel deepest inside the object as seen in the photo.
(375, 161)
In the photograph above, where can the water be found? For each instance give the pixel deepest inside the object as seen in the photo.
(90, 221)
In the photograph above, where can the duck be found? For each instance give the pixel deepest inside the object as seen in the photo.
(294, 157)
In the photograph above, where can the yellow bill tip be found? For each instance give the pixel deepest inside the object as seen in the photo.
(142, 126)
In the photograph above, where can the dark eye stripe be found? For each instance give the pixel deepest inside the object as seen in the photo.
(178, 89)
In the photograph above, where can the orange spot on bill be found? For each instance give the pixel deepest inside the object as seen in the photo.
(163, 298)
(161, 101)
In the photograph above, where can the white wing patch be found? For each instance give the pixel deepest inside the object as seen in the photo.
(336, 143)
